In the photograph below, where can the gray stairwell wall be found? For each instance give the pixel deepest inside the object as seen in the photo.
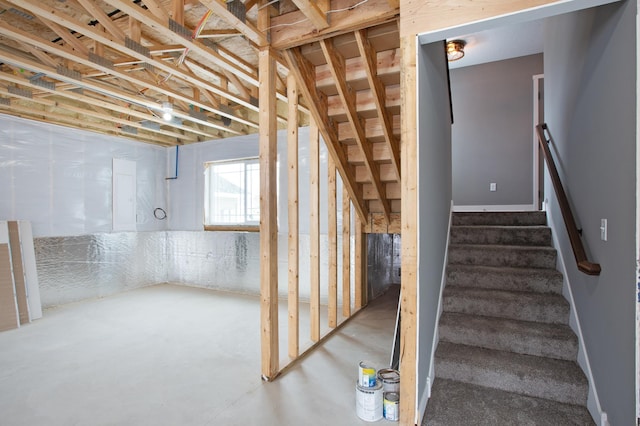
(492, 140)
(434, 192)
(590, 104)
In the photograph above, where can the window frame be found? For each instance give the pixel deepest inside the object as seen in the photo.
(240, 226)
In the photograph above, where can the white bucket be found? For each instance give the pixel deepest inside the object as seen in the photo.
(369, 405)
(390, 380)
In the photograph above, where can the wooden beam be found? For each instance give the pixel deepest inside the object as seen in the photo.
(125, 111)
(333, 242)
(314, 229)
(409, 224)
(103, 88)
(218, 33)
(346, 254)
(135, 30)
(368, 53)
(139, 81)
(428, 16)
(96, 12)
(360, 265)
(316, 15)
(69, 38)
(177, 9)
(156, 8)
(335, 60)
(245, 27)
(317, 101)
(268, 217)
(293, 219)
(226, 61)
(292, 29)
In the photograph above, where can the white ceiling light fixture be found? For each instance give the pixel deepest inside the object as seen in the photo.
(455, 50)
(167, 111)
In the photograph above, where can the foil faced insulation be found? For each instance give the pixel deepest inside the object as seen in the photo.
(88, 266)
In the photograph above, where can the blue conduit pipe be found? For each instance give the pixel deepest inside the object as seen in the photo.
(176, 175)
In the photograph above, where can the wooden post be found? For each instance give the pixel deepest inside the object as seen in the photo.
(268, 216)
(293, 238)
(333, 243)
(346, 254)
(409, 232)
(314, 228)
(360, 266)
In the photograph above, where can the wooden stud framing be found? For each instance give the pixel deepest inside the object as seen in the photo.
(333, 243)
(314, 228)
(409, 224)
(268, 217)
(346, 254)
(360, 261)
(315, 14)
(293, 218)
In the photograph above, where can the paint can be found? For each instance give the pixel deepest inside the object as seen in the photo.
(390, 380)
(366, 375)
(390, 406)
(369, 402)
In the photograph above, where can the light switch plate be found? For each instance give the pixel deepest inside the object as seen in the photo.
(603, 229)
(492, 187)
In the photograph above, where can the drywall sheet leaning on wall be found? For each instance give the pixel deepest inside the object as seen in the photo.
(8, 307)
(19, 281)
(24, 269)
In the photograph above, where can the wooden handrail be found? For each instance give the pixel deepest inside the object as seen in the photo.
(583, 263)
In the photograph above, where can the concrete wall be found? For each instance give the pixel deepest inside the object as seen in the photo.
(590, 106)
(434, 189)
(492, 132)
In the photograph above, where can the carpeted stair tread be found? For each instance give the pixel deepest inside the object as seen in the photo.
(454, 403)
(502, 255)
(513, 279)
(499, 218)
(526, 306)
(524, 337)
(540, 377)
(505, 235)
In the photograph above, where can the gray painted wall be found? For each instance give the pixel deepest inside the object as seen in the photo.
(434, 189)
(492, 132)
(590, 106)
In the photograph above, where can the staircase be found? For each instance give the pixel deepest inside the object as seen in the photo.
(506, 354)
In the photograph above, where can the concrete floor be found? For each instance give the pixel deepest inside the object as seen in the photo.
(174, 355)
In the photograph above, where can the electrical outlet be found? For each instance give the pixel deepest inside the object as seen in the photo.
(603, 229)
(492, 187)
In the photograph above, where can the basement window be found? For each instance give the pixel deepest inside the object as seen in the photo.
(232, 195)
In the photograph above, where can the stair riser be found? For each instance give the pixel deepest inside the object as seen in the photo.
(497, 256)
(538, 281)
(551, 314)
(528, 385)
(500, 219)
(505, 236)
(521, 343)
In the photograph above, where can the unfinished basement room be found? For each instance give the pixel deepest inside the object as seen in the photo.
(319, 212)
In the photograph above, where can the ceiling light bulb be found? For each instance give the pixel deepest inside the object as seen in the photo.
(167, 110)
(455, 50)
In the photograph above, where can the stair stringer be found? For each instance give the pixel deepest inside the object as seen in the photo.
(593, 402)
(422, 404)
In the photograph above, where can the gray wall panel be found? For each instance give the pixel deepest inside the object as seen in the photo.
(492, 132)
(590, 89)
(434, 189)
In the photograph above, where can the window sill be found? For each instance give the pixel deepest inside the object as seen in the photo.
(233, 228)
